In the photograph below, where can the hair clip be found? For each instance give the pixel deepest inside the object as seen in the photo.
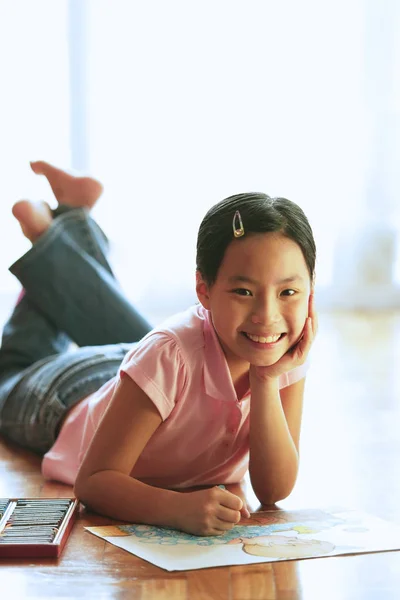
(237, 225)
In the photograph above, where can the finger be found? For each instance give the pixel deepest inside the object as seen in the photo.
(309, 334)
(304, 344)
(236, 489)
(228, 515)
(310, 303)
(222, 527)
(312, 312)
(217, 531)
(230, 500)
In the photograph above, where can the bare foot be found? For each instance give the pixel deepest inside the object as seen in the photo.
(34, 218)
(68, 189)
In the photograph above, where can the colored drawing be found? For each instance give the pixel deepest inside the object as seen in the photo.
(265, 537)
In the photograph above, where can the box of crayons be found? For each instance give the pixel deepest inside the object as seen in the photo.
(35, 527)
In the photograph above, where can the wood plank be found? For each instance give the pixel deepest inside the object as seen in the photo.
(350, 455)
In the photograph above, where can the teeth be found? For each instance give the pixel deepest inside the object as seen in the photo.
(264, 340)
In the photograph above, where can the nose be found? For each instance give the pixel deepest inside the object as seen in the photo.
(266, 312)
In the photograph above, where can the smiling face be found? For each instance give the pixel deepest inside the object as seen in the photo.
(259, 301)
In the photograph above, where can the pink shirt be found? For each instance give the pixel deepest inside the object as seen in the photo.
(203, 437)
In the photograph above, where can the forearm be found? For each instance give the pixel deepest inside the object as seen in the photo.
(273, 455)
(122, 497)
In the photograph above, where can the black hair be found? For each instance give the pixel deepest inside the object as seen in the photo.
(260, 214)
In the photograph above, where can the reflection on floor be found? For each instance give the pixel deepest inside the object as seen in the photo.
(350, 456)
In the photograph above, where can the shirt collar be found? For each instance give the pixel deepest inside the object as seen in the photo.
(217, 377)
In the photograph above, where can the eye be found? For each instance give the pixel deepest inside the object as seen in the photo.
(288, 292)
(242, 292)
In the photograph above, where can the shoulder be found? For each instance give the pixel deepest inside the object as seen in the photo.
(183, 332)
(187, 327)
(164, 360)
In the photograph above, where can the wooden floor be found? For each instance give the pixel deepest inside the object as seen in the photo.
(350, 457)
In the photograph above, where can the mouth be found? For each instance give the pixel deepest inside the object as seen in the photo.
(264, 341)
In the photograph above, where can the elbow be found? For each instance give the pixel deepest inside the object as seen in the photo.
(269, 494)
(82, 493)
(94, 490)
(79, 493)
(81, 490)
(271, 498)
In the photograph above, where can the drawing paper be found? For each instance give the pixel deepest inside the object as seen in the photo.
(266, 536)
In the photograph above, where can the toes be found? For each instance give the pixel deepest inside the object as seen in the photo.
(34, 217)
(67, 188)
(19, 209)
(39, 166)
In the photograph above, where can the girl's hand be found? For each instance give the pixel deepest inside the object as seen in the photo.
(208, 512)
(297, 355)
(239, 489)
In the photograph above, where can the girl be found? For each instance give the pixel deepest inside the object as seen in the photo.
(196, 402)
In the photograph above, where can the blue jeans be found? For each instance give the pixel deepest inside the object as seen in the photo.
(71, 296)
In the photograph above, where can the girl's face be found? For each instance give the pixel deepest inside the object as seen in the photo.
(259, 302)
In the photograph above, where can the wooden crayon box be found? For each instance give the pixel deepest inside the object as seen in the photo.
(35, 527)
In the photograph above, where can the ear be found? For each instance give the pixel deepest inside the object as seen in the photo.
(202, 291)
